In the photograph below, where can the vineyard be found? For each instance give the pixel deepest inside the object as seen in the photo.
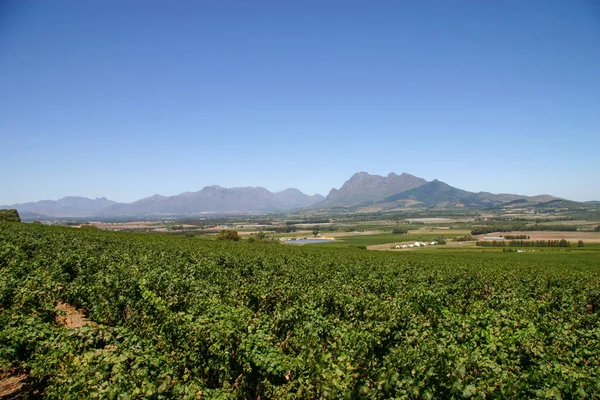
(176, 317)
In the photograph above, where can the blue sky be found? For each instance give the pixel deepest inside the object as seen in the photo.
(129, 99)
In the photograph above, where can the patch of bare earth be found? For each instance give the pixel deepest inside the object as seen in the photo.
(72, 318)
(10, 386)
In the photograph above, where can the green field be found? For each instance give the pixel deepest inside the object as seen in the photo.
(179, 317)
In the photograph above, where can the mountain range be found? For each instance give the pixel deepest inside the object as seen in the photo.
(379, 193)
(211, 199)
(362, 191)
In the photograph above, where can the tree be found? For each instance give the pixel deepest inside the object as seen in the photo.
(441, 240)
(11, 215)
(580, 243)
(399, 231)
(315, 232)
(88, 226)
(228, 234)
(597, 229)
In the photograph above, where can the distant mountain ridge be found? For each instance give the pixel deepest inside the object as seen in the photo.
(69, 206)
(219, 199)
(366, 192)
(362, 191)
(439, 194)
(211, 199)
(364, 188)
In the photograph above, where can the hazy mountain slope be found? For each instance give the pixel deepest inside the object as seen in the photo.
(543, 198)
(364, 188)
(500, 197)
(294, 198)
(209, 199)
(436, 193)
(72, 206)
(440, 194)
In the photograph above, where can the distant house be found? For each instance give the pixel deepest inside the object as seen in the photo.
(411, 245)
(434, 242)
(397, 247)
(404, 246)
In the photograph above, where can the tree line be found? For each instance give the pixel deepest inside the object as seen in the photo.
(524, 243)
(308, 221)
(480, 230)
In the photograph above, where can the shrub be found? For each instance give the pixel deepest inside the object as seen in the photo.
(11, 215)
(88, 226)
(228, 234)
(441, 240)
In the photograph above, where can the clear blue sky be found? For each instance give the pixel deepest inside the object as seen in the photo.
(128, 99)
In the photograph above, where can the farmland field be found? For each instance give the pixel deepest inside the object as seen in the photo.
(176, 317)
(373, 239)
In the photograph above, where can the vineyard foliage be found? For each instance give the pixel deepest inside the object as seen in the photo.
(177, 317)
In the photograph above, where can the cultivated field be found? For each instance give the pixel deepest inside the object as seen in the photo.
(94, 314)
